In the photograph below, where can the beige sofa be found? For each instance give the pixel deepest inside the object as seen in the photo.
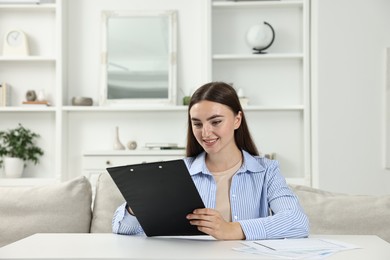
(58, 208)
(66, 208)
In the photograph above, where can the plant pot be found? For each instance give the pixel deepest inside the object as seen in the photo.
(13, 167)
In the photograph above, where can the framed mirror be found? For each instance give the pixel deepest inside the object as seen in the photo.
(139, 57)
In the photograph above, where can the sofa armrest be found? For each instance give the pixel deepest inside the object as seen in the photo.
(337, 213)
(56, 208)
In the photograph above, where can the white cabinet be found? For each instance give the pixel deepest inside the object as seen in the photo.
(96, 162)
(276, 83)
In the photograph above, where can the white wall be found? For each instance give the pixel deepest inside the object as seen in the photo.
(349, 41)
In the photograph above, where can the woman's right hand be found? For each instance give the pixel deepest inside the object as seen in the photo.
(211, 222)
(130, 210)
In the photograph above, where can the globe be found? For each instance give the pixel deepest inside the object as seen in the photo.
(260, 37)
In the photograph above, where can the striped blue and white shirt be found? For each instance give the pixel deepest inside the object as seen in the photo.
(259, 197)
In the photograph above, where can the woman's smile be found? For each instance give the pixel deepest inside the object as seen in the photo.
(210, 142)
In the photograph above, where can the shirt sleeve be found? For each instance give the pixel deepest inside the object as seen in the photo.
(286, 219)
(125, 223)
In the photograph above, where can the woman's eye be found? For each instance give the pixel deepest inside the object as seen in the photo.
(197, 125)
(216, 122)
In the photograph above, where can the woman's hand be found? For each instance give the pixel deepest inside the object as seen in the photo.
(130, 210)
(210, 222)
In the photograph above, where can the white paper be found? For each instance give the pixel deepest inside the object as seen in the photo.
(313, 248)
(299, 244)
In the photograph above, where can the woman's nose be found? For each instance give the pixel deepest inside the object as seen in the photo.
(206, 130)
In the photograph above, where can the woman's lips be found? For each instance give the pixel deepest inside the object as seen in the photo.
(210, 142)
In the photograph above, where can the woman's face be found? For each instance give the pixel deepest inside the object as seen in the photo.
(213, 125)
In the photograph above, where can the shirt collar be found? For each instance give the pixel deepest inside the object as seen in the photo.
(199, 165)
(250, 164)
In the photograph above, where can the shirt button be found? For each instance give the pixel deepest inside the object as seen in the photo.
(233, 195)
(235, 217)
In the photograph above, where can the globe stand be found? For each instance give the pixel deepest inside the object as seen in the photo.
(259, 51)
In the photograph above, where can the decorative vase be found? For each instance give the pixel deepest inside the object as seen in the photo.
(13, 167)
(41, 95)
(117, 143)
(82, 101)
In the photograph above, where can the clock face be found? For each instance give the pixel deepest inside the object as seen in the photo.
(14, 38)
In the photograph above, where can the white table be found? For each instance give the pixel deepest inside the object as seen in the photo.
(111, 246)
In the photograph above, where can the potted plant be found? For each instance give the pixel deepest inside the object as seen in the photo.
(17, 146)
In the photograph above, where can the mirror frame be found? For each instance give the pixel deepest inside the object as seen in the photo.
(172, 62)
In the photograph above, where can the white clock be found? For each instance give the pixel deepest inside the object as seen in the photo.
(15, 43)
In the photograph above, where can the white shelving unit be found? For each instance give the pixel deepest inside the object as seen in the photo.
(40, 71)
(277, 83)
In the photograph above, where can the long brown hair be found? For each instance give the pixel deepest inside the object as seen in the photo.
(225, 94)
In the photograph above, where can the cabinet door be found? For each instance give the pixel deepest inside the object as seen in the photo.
(94, 165)
(105, 161)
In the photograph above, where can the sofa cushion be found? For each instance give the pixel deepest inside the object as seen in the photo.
(337, 213)
(56, 208)
(107, 200)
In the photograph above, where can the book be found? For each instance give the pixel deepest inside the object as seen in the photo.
(161, 145)
(1, 96)
(37, 103)
(5, 95)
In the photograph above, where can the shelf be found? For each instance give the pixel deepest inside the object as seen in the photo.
(141, 151)
(168, 108)
(27, 58)
(27, 109)
(29, 7)
(96, 109)
(275, 3)
(124, 108)
(257, 56)
(273, 108)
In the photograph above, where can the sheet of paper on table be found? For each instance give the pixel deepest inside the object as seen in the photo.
(302, 248)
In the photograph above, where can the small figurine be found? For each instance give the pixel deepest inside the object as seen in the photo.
(132, 145)
(31, 95)
(41, 95)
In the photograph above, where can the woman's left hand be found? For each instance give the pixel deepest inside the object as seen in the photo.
(210, 222)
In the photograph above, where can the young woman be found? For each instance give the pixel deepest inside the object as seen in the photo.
(245, 195)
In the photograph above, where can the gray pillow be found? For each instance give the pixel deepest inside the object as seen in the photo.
(337, 213)
(56, 208)
(107, 200)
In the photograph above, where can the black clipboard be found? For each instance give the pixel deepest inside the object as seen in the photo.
(160, 194)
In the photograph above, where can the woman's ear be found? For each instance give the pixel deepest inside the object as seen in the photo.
(237, 120)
